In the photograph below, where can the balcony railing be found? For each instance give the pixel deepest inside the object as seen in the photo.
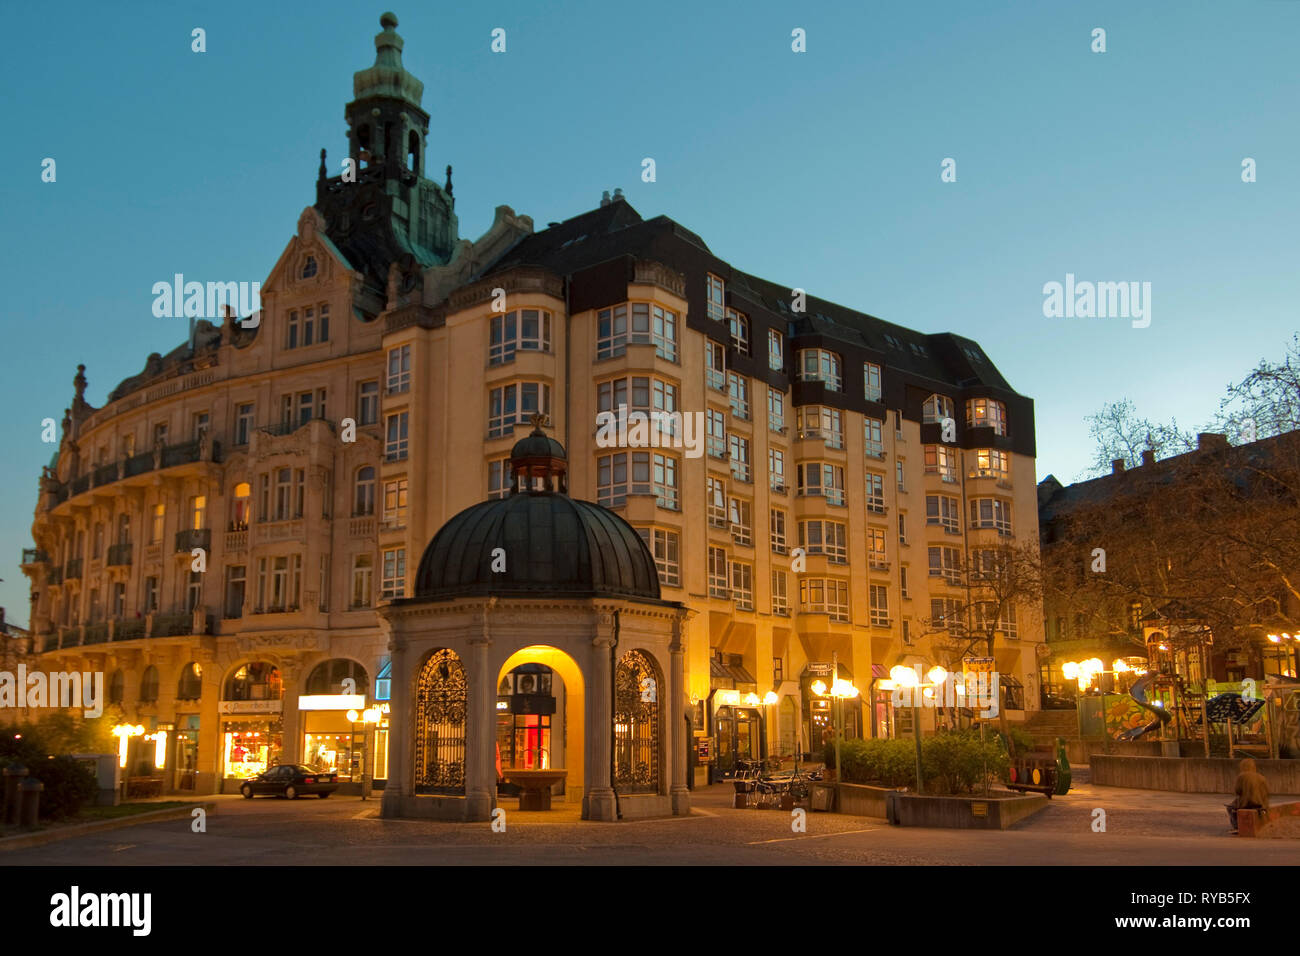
(172, 455)
(96, 633)
(172, 625)
(119, 555)
(54, 576)
(128, 630)
(188, 540)
(237, 540)
(51, 642)
(35, 556)
(72, 570)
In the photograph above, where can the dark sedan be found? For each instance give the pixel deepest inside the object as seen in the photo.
(291, 780)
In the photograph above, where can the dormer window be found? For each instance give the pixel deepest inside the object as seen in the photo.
(309, 267)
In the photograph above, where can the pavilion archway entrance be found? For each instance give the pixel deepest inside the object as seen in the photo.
(525, 741)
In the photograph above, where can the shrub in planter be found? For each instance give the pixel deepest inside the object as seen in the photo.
(69, 785)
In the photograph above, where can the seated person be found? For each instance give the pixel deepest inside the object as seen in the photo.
(1251, 790)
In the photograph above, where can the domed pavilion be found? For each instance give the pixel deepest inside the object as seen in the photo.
(537, 586)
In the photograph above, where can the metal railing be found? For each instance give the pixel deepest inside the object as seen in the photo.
(119, 555)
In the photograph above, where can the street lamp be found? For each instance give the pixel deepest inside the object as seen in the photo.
(905, 677)
(839, 691)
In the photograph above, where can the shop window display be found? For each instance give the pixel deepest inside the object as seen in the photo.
(251, 747)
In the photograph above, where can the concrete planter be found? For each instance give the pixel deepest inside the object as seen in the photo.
(997, 811)
(861, 800)
(1190, 774)
(962, 812)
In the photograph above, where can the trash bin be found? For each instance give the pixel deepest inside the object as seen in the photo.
(31, 802)
(13, 775)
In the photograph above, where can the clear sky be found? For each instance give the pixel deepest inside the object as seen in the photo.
(820, 169)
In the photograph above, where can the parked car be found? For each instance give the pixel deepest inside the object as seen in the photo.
(291, 780)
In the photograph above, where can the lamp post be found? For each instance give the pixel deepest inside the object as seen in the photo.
(839, 691)
(1083, 673)
(908, 678)
(368, 718)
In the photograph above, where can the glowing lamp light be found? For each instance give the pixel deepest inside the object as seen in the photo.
(352, 716)
(819, 688)
(904, 676)
(770, 698)
(843, 689)
(751, 700)
(937, 674)
(928, 692)
(886, 684)
(124, 733)
(1070, 670)
(1120, 666)
(1095, 665)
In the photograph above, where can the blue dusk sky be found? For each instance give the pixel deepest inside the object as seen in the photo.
(818, 169)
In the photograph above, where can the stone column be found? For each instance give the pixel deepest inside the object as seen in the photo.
(401, 724)
(480, 731)
(291, 672)
(676, 747)
(598, 802)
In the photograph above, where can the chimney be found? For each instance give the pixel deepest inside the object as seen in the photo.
(604, 199)
(1148, 456)
(618, 194)
(1117, 466)
(1211, 441)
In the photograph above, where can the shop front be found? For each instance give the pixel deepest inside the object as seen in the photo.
(739, 732)
(331, 740)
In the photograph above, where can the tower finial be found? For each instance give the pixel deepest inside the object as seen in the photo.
(79, 383)
(322, 163)
(388, 21)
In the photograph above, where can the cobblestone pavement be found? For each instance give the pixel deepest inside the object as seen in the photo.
(1142, 827)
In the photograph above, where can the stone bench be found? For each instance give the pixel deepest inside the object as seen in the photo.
(1281, 820)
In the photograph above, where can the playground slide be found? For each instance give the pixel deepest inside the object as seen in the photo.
(1139, 693)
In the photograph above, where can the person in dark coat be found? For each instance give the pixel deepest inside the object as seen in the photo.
(1251, 790)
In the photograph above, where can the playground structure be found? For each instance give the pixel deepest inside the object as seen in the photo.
(1169, 698)
(1239, 718)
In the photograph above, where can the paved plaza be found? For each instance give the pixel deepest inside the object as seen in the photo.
(1142, 827)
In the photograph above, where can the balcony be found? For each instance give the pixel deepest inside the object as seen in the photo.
(236, 541)
(173, 625)
(169, 456)
(362, 527)
(96, 633)
(72, 570)
(50, 642)
(34, 556)
(119, 555)
(54, 576)
(128, 630)
(187, 541)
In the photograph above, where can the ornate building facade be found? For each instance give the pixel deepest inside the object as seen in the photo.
(307, 458)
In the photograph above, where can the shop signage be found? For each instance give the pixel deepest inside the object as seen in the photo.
(703, 746)
(820, 668)
(332, 702)
(724, 698)
(978, 665)
(250, 706)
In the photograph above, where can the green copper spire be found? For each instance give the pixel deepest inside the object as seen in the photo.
(387, 77)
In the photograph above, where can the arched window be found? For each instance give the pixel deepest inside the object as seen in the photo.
(636, 725)
(328, 677)
(441, 702)
(309, 267)
(413, 151)
(149, 685)
(365, 497)
(117, 686)
(241, 506)
(190, 685)
(256, 681)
